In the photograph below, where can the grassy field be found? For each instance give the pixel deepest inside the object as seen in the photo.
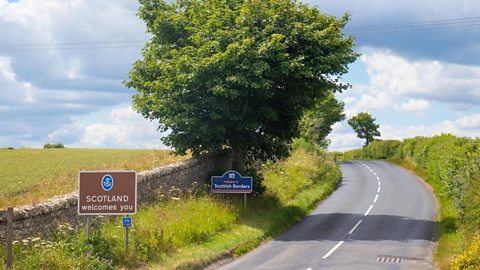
(195, 231)
(33, 175)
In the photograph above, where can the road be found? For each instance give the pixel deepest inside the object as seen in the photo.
(380, 217)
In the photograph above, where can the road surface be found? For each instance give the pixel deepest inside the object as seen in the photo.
(380, 217)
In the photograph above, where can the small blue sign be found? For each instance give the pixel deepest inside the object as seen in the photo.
(107, 182)
(232, 182)
(127, 222)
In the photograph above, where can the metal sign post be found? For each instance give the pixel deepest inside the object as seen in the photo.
(89, 228)
(127, 223)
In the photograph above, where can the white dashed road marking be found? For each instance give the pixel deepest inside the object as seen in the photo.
(369, 209)
(333, 249)
(355, 227)
(360, 221)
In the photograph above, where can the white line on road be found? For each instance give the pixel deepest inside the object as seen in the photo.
(379, 183)
(368, 211)
(376, 198)
(333, 249)
(355, 227)
(378, 190)
(309, 268)
(378, 178)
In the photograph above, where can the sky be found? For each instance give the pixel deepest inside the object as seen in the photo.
(62, 63)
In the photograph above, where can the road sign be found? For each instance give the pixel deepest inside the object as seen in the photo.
(107, 192)
(127, 222)
(232, 182)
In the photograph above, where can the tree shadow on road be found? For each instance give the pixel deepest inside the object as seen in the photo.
(336, 227)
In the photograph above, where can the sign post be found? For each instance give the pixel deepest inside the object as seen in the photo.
(127, 223)
(9, 216)
(89, 228)
(232, 182)
(107, 193)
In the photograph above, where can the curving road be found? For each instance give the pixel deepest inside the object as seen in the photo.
(381, 217)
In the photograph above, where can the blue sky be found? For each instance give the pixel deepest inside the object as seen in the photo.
(62, 64)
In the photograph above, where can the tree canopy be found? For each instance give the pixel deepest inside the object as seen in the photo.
(236, 74)
(365, 127)
(317, 122)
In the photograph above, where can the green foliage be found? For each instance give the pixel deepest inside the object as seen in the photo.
(316, 123)
(365, 127)
(378, 150)
(284, 180)
(236, 74)
(53, 145)
(452, 166)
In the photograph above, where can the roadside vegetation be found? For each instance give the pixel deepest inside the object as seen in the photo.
(195, 230)
(451, 165)
(34, 175)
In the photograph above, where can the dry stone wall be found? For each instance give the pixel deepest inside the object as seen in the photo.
(173, 180)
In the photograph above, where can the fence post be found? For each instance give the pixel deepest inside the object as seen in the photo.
(9, 238)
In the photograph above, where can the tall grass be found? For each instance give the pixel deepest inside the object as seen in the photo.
(194, 231)
(33, 175)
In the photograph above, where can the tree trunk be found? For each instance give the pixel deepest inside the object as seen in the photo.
(238, 155)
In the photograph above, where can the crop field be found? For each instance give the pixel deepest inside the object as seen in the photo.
(33, 175)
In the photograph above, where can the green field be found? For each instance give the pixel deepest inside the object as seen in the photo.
(33, 175)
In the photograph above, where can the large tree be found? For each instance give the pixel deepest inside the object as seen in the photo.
(236, 74)
(365, 127)
(317, 122)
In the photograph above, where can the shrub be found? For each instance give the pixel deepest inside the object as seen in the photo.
(470, 258)
(53, 145)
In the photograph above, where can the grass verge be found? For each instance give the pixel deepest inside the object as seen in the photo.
(450, 239)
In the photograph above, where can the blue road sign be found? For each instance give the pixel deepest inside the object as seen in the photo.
(127, 222)
(232, 182)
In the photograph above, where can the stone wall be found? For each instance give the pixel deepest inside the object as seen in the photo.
(40, 220)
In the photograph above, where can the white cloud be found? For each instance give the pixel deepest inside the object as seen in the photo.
(467, 124)
(343, 138)
(391, 75)
(49, 72)
(396, 83)
(415, 105)
(123, 128)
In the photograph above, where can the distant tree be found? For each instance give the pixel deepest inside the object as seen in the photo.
(53, 145)
(236, 74)
(317, 122)
(365, 127)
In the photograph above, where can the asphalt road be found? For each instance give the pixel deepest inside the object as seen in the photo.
(381, 217)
